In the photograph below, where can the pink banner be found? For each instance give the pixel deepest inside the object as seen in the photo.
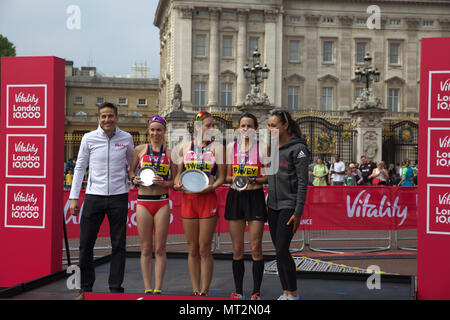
(354, 208)
(433, 229)
(31, 167)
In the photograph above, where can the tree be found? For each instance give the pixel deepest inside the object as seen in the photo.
(7, 49)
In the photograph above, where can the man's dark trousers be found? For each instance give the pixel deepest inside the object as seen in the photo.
(94, 209)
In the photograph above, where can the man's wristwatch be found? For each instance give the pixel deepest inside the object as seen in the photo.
(253, 181)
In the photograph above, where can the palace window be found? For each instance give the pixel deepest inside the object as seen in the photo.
(327, 51)
(226, 94)
(200, 45)
(326, 102)
(227, 46)
(200, 93)
(393, 102)
(293, 98)
(294, 50)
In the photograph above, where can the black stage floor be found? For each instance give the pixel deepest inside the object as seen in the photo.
(312, 285)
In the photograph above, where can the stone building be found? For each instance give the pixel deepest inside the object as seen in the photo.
(136, 97)
(312, 49)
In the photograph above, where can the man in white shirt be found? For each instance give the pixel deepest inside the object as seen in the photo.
(337, 171)
(107, 152)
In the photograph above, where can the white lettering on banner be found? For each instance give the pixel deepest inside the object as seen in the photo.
(445, 86)
(306, 221)
(443, 102)
(28, 211)
(444, 199)
(362, 208)
(20, 147)
(444, 142)
(443, 215)
(19, 197)
(26, 99)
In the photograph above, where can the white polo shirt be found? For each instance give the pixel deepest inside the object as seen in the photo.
(107, 159)
(338, 167)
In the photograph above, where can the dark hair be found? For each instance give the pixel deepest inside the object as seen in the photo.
(285, 117)
(108, 105)
(251, 116)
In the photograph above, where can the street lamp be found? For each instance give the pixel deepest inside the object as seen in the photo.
(257, 73)
(367, 73)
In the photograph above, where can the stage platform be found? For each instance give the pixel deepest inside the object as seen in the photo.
(312, 285)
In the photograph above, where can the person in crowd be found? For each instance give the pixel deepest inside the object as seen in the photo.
(392, 174)
(353, 176)
(415, 168)
(380, 175)
(287, 196)
(107, 151)
(68, 180)
(199, 210)
(337, 171)
(311, 166)
(366, 168)
(153, 210)
(246, 206)
(407, 175)
(320, 172)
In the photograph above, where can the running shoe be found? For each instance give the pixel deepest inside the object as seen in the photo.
(283, 297)
(289, 297)
(148, 291)
(256, 296)
(237, 296)
(156, 291)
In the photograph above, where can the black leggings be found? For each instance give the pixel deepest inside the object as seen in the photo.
(281, 237)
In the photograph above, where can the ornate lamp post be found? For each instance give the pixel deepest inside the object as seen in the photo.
(367, 73)
(256, 101)
(256, 72)
(367, 114)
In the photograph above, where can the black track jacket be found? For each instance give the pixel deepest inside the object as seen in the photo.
(287, 187)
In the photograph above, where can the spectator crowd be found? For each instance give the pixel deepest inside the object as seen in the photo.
(366, 172)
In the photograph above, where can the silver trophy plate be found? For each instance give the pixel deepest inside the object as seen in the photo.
(240, 183)
(194, 180)
(147, 174)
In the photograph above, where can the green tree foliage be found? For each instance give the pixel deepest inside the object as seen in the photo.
(7, 49)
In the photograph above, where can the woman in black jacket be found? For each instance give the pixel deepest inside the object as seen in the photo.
(287, 196)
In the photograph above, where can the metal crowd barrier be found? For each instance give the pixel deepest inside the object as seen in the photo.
(404, 238)
(361, 249)
(300, 234)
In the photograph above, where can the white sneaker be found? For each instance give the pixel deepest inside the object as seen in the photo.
(289, 297)
(283, 297)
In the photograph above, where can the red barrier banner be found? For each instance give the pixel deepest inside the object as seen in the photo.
(31, 167)
(433, 228)
(360, 208)
(353, 208)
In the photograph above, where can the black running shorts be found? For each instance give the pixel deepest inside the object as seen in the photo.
(247, 205)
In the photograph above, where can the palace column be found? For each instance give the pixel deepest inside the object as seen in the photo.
(241, 58)
(213, 83)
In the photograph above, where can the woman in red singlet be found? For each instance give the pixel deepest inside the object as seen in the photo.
(248, 205)
(152, 210)
(199, 210)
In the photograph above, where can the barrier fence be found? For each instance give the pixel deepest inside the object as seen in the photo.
(371, 217)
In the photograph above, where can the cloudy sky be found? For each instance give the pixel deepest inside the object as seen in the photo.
(111, 35)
